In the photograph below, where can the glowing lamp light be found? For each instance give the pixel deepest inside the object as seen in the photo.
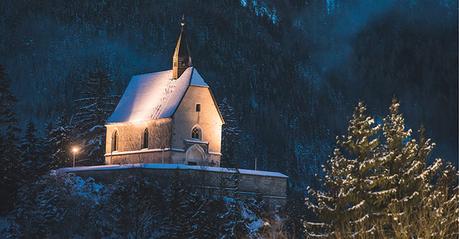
(75, 149)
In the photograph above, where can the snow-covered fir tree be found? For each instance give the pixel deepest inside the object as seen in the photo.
(58, 142)
(9, 172)
(230, 133)
(94, 108)
(343, 204)
(29, 152)
(47, 148)
(179, 204)
(417, 195)
(32, 153)
(9, 155)
(380, 185)
(135, 207)
(50, 201)
(296, 212)
(7, 102)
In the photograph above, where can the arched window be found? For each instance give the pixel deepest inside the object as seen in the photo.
(196, 133)
(145, 139)
(115, 141)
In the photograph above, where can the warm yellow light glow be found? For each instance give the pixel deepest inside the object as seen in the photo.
(75, 149)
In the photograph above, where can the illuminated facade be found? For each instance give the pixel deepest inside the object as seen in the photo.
(166, 117)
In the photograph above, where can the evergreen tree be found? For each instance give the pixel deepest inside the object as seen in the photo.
(33, 163)
(417, 193)
(10, 169)
(95, 107)
(51, 202)
(47, 150)
(343, 202)
(7, 102)
(207, 210)
(134, 208)
(380, 185)
(296, 212)
(179, 204)
(232, 222)
(230, 134)
(9, 156)
(58, 142)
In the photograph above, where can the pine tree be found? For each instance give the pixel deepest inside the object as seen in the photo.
(179, 205)
(94, 108)
(230, 134)
(7, 102)
(201, 213)
(32, 163)
(343, 202)
(232, 223)
(387, 189)
(296, 213)
(10, 170)
(419, 196)
(47, 150)
(133, 209)
(9, 155)
(442, 205)
(58, 142)
(51, 202)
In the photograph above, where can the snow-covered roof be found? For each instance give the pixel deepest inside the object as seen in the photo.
(154, 96)
(170, 166)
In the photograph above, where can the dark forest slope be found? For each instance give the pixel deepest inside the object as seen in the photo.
(291, 72)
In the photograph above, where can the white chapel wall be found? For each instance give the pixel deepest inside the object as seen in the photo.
(208, 119)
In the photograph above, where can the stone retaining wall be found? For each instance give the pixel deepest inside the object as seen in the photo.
(269, 186)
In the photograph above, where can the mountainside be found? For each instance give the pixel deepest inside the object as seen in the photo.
(287, 73)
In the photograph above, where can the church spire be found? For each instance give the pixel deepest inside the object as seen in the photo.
(182, 57)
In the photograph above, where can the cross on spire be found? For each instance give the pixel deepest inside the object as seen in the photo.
(182, 23)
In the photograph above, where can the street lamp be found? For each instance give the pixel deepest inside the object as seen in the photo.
(75, 150)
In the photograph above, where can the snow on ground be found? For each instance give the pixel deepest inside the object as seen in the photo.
(86, 188)
(254, 222)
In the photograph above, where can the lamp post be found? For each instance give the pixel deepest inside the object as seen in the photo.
(75, 150)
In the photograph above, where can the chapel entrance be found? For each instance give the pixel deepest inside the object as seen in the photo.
(195, 155)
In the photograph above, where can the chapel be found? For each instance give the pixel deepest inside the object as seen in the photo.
(168, 117)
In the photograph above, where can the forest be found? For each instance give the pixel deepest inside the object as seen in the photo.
(289, 76)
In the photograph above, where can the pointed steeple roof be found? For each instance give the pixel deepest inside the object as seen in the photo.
(181, 59)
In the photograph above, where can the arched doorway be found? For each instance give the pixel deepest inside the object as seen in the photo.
(195, 155)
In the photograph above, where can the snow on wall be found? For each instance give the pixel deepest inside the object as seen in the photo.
(154, 96)
(170, 166)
